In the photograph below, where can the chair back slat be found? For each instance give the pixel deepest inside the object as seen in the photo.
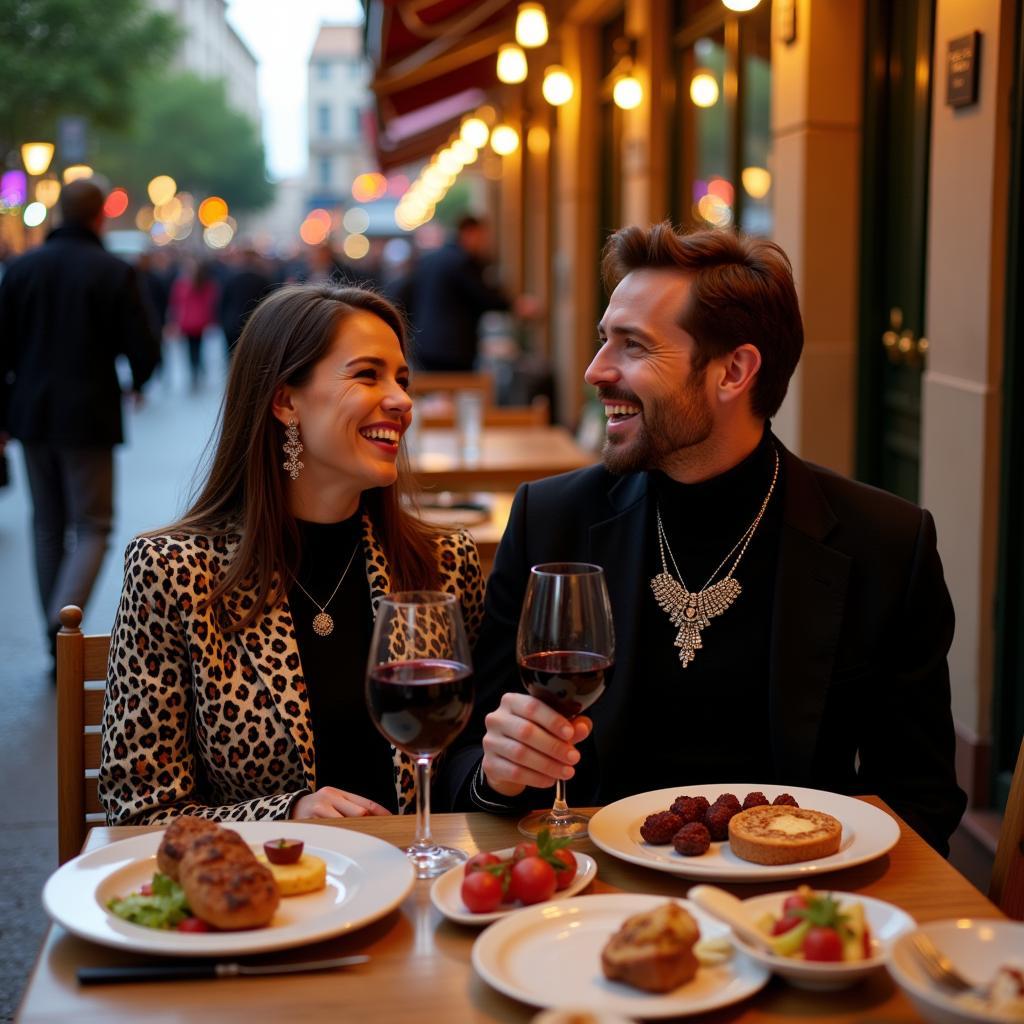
(81, 679)
(1007, 887)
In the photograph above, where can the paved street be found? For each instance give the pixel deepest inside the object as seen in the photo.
(154, 476)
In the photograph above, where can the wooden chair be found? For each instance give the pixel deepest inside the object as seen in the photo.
(1007, 886)
(537, 414)
(81, 679)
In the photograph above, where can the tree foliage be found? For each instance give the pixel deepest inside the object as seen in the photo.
(184, 127)
(81, 57)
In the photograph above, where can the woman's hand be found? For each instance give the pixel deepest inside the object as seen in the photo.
(328, 802)
(529, 744)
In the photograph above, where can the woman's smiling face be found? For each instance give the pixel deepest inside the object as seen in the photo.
(353, 410)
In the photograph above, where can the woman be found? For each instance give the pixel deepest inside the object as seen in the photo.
(194, 300)
(235, 683)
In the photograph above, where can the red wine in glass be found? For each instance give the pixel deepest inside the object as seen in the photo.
(422, 705)
(568, 681)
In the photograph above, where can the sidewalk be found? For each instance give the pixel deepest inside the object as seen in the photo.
(154, 475)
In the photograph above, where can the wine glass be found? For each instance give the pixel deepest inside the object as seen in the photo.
(566, 643)
(419, 691)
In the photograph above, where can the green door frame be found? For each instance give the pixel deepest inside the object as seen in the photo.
(1008, 691)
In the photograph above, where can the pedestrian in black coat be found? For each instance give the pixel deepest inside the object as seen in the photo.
(67, 311)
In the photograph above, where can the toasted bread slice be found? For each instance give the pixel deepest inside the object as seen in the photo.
(783, 835)
(653, 950)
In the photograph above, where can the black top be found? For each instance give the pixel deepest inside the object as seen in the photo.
(350, 753)
(706, 723)
(68, 309)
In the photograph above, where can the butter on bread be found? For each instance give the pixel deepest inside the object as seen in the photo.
(653, 951)
(779, 834)
(307, 874)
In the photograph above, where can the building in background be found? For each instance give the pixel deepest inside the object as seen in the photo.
(211, 48)
(338, 99)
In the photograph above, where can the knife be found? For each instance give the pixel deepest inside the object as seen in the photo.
(183, 971)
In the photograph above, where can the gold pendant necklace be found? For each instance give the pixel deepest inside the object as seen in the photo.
(323, 624)
(691, 611)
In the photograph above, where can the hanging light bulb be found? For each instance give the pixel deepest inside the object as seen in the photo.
(504, 139)
(531, 25)
(474, 131)
(557, 87)
(740, 5)
(36, 156)
(627, 92)
(704, 89)
(511, 64)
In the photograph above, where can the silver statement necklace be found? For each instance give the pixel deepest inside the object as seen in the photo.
(323, 624)
(690, 611)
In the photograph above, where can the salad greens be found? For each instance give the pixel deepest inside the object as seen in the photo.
(165, 908)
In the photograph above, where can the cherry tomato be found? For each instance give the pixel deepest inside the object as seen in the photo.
(481, 892)
(785, 924)
(193, 924)
(823, 944)
(524, 850)
(793, 904)
(533, 880)
(565, 875)
(146, 889)
(479, 861)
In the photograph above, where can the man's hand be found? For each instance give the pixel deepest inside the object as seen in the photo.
(529, 744)
(328, 802)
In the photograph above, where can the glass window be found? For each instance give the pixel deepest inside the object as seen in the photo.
(323, 119)
(756, 142)
(325, 170)
(323, 70)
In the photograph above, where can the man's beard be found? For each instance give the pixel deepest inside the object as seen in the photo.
(666, 426)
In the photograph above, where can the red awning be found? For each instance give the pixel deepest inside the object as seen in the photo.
(433, 61)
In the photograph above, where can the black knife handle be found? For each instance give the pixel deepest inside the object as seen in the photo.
(144, 972)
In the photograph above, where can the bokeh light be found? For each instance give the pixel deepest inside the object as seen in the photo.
(723, 189)
(218, 236)
(370, 186)
(475, 132)
(512, 67)
(34, 215)
(531, 25)
(356, 220)
(757, 181)
(76, 172)
(145, 219)
(627, 92)
(504, 139)
(557, 86)
(356, 246)
(704, 89)
(116, 203)
(48, 192)
(161, 189)
(212, 210)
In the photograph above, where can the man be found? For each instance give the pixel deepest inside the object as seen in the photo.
(245, 287)
(820, 656)
(447, 294)
(67, 310)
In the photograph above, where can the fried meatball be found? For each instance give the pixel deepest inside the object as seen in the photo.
(180, 835)
(689, 808)
(755, 799)
(692, 840)
(231, 894)
(786, 800)
(717, 820)
(658, 829)
(729, 800)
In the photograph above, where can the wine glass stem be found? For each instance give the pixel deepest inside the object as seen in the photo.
(560, 809)
(423, 837)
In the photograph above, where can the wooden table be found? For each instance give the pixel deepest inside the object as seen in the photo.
(486, 523)
(508, 456)
(421, 972)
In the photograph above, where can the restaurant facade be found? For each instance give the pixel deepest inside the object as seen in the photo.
(879, 143)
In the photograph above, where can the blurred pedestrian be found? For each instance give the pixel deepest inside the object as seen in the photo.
(194, 299)
(152, 268)
(246, 284)
(447, 294)
(68, 309)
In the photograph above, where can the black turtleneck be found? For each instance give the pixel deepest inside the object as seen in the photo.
(707, 723)
(350, 753)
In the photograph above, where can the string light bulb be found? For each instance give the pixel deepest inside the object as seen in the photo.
(704, 89)
(627, 92)
(36, 156)
(512, 67)
(531, 25)
(557, 86)
(504, 139)
(474, 131)
(740, 6)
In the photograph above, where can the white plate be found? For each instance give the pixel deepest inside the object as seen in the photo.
(445, 893)
(867, 833)
(550, 955)
(366, 878)
(885, 922)
(977, 948)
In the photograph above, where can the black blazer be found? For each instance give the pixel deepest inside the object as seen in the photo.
(862, 623)
(67, 310)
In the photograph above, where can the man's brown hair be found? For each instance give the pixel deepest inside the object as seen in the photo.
(741, 292)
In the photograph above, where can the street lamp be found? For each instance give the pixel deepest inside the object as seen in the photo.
(36, 157)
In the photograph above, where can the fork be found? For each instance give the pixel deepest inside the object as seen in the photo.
(938, 966)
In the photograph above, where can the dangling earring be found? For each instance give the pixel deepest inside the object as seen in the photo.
(293, 446)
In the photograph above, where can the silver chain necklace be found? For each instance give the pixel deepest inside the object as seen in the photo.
(690, 611)
(323, 624)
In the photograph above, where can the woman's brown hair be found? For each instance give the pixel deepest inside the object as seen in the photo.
(741, 291)
(286, 336)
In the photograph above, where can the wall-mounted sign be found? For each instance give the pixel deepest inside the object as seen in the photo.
(963, 62)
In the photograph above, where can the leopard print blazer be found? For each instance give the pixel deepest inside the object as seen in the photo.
(200, 721)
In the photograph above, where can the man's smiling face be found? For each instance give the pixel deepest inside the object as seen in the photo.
(655, 401)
